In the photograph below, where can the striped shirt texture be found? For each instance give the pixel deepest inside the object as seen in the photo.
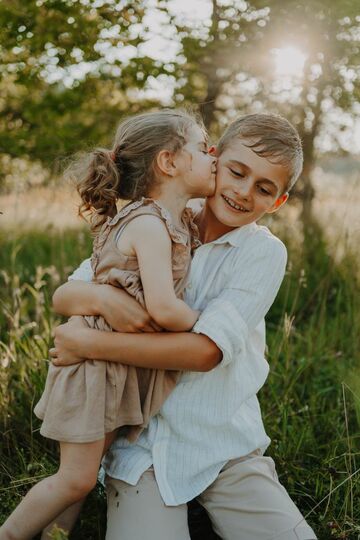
(213, 417)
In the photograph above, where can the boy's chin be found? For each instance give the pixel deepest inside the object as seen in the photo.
(235, 221)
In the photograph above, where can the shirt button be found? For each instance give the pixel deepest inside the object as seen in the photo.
(189, 286)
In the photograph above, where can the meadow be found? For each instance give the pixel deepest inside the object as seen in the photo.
(310, 403)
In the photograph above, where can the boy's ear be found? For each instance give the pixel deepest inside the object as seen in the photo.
(278, 203)
(213, 150)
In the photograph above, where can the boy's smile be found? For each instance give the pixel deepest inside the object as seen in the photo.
(247, 187)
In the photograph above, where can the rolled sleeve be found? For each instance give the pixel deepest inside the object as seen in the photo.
(223, 324)
(83, 272)
(243, 303)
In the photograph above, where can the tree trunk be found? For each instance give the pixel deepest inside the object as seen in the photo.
(307, 191)
(207, 108)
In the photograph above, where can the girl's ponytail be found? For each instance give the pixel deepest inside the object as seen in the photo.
(97, 180)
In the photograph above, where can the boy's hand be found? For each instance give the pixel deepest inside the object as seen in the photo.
(70, 339)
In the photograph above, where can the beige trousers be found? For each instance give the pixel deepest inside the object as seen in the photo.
(246, 502)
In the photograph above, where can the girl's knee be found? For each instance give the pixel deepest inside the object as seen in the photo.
(6, 534)
(79, 485)
(82, 485)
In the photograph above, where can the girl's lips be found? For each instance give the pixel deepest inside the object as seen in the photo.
(234, 206)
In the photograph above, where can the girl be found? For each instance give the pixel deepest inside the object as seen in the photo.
(158, 161)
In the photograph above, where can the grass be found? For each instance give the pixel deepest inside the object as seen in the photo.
(310, 403)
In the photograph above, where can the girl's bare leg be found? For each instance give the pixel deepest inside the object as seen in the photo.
(65, 521)
(76, 477)
(68, 518)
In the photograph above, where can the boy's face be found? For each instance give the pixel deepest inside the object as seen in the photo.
(247, 187)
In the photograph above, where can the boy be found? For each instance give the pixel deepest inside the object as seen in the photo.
(208, 439)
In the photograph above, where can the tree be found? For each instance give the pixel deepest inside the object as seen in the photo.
(229, 67)
(67, 71)
(329, 33)
(217, 51)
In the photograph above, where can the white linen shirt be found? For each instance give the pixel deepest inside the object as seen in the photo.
(210, 418)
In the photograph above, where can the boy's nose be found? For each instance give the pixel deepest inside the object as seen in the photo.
(243, 190)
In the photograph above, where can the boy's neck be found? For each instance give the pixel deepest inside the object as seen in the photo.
(210, 227)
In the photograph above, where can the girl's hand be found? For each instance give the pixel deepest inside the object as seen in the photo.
(119, 309)
(122, 312)
(68, 342)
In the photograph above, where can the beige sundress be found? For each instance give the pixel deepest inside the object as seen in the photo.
(83, 402)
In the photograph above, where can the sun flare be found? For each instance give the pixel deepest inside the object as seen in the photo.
(289, 61)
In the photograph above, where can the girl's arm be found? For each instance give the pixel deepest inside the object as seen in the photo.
(118, 308)
(74, 342)
(152, 245)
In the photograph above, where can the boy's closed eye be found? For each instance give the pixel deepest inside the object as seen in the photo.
(264, 191)
(267, 188)
(238, 174)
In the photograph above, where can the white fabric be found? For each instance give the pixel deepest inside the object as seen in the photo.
(212, 417)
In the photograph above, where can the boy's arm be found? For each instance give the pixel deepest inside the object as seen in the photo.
(81, 296)
(222, 329)
(257, 274)
(74, 342)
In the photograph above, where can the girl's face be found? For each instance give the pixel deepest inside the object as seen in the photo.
(197, 166)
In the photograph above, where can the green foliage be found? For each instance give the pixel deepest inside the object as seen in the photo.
(70, 70)
(217, 53)
(229, 67)
(310, 402)
(27, 281)
(59, 92)
(58, 534)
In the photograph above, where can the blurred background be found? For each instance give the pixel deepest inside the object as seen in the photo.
(70, 70)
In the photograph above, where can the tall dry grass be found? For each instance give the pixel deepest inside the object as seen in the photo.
(311, 401)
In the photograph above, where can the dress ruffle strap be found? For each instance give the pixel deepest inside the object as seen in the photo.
(177, 234)
(189, 218)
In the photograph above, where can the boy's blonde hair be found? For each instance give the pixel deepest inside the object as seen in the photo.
(127, 170)
(270, 136)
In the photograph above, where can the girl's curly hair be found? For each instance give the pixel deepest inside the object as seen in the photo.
(126, 171)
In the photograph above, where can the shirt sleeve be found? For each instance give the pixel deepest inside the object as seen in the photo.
(246, 298)
(83, 272)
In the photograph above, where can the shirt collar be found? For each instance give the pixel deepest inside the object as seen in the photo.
(236, 236)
